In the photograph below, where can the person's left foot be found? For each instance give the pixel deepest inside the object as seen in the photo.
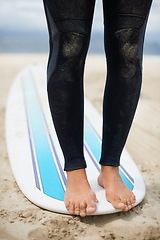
(117, 193)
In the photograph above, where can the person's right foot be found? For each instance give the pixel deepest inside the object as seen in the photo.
(79, 198)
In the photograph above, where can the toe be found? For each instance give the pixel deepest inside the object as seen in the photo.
(77, 209)
(83, 209)
(71, 208)
(129, 205)
(118, 205)
(132, 203)
(125, 209)
(133, 199)
(91, 207)
(67, 205)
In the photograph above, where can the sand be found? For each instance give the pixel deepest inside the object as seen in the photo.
(20, 219)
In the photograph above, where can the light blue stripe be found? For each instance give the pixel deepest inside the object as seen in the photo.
(31, 144)
(92, 141)
(51, 183)
(95, 146)
(126, 180)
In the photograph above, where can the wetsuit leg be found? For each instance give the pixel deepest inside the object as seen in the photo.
(124, 29)
(69, 25)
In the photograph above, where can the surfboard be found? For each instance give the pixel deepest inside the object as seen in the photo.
(35, 155)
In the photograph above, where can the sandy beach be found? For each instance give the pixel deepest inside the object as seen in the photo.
(20, 219)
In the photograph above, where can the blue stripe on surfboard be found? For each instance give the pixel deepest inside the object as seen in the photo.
(91, 156)
(50, 138)
(94, 144)
(31, 144)
(51, 183)
(124, 170)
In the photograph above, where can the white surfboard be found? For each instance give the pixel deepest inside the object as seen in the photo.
(34, 152)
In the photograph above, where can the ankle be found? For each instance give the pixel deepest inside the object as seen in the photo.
(77, 174)
(109, 169)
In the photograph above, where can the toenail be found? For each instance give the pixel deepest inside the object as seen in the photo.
(71, 212)
(91, 208)
(82, 214)
(121, 204)
(126, 209)
(77, 212)
(82, 204)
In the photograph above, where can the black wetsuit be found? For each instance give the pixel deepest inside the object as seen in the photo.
(69, 24)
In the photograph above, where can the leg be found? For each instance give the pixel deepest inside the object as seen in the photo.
(69, 24)
(124, 25)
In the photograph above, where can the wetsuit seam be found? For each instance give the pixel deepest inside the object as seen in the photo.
(125, 29)
(125, 14)
(59, 20)
(63, 31)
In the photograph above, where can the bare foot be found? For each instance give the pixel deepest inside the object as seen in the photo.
(79, 198)
(117, 193)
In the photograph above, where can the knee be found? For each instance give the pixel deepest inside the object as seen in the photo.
(127, 52)
(72, 47)
(70, 57)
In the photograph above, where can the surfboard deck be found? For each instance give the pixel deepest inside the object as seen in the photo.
(35, 155)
